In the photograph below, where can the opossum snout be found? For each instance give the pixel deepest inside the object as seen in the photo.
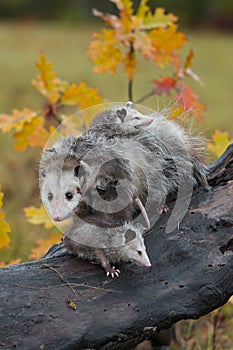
(148, 265)
(57, 217)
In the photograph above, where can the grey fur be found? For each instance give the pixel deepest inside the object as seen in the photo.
(108, 246)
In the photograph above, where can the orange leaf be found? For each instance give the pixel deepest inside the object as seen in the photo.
(47, 82)
(189, 100)
(220, 142)
(44, 244)
(164, 85)
(4, 226)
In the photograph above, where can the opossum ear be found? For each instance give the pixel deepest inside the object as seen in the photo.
(130, 104)
(121, 113)
(51, 150)
(129, 235)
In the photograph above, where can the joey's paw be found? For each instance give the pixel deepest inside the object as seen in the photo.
(164, 209)
(113, 272)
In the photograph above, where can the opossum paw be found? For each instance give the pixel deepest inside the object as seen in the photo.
(113, 272)
(164, 209)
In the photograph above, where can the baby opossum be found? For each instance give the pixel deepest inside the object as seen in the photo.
(121, 120)
(107, 246)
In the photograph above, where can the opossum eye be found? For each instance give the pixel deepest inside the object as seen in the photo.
(50, 196)
(78, 190)
(69, 196)
(137, 118)
(139, 252)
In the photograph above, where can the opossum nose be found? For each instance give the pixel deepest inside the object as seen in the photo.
(148, 265)
(57, 217)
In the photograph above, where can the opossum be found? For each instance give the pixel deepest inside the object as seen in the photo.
(162, 153)
(107, 246)
(121, 120)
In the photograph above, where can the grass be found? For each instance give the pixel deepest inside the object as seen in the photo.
(65, 46)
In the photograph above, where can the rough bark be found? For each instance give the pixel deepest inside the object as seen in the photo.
(192, 274)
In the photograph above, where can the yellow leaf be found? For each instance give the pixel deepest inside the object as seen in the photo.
(47, 82)
(4, 226)
(44, 244)
(104, 52)
(38, 216)
(80, 95)
(220, 142)
(16, 120)
(159, 19)
(32, 134)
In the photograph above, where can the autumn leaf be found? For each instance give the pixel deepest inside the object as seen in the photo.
(38, 216)
(189, 101)
(47, 81)
(104, 52)
(16, 120)
(154, 35)
(157, 20)
(44, 244)
(220, 141)
(80, 95)
(32, 134)
(4, 226)
(187, 71)
(164, 85)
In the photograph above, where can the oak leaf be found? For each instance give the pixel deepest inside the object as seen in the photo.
(47, 81)
(220, 141)
(32, 134)
(189, 101)
(164, 85)
(80, 95)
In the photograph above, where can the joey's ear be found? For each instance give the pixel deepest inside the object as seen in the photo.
(130, 104)
(129, 235)
(121, 113)
(51, 150)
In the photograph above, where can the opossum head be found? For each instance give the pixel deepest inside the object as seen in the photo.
(131, 120)
(134, 249)
(60, 187)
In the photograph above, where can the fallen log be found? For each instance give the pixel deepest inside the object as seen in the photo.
(60, 302)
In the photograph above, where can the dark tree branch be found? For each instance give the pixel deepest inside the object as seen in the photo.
(191, 275)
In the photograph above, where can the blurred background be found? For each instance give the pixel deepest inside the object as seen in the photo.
(63, 30)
